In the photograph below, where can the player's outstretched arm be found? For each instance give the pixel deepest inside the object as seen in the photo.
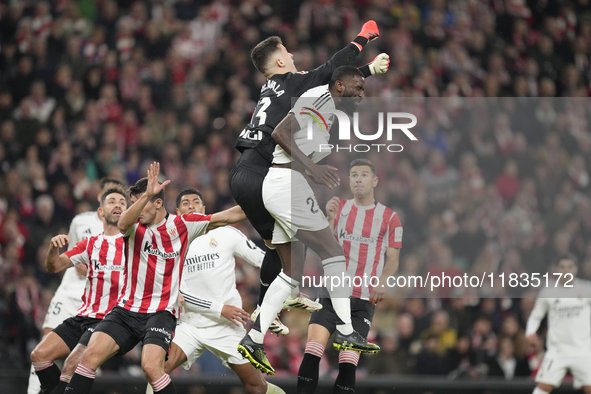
(379, 65)
(322, 174)
(55, 262)
(229, 216)
(131, 215)
(321, 75)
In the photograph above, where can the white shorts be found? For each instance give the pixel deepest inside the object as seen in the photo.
(292, 211)
(221, 340)
(62, 307)
(555, 367)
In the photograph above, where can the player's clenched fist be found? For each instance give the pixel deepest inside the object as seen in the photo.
(332, 207)
(380, 64)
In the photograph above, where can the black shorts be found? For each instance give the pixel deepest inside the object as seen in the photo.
(361, 314)
(129, 328)
(77, 329)
(246, 184)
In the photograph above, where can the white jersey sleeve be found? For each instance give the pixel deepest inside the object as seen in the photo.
(193, 303)
(247, 250)
(541, 307)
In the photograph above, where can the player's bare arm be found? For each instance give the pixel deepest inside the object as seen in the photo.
(131, 215)
(322, 174)
(229, 216)
(55, 262)
(390, 268)
(332, 208)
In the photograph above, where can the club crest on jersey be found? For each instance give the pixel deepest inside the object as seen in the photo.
(377, 221)
(213, 243)
(172, 232)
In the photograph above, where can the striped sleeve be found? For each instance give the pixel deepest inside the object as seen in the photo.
(394, 232)
(78, 254)
(196, 224)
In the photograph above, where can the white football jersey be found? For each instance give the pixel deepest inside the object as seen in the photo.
(209, 279)
(83, 225)
(315, 106)
(569, 317)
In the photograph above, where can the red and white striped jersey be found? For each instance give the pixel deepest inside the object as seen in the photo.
(155, 256)
(365, 233)
(104, 256)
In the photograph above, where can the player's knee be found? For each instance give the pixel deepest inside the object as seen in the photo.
(255, 387)
(91, 357)
(153, 372)
(39, 354)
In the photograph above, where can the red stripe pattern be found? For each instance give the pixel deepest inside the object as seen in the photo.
(349, 356)
(83, 370)
(155, 256)
(161, 383)
(365, 233)
(103, 255)
(314, 348)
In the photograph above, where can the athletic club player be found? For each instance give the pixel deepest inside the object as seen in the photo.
(371, 236)
(212, 315)
(284, 83)
(68, 296)
(156, 245)
(103, 256)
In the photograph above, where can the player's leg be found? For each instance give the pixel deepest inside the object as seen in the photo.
(550, 374)
(317, 338)
(69, 367)
(246, 183)
(339, 286)
(543, 388)
(362, 315)
(153, 365)
(87, 326)
(158, 331)
(100, 348)
(61, 307)
(51, 347)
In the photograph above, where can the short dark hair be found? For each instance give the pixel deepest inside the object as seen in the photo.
(140, 188)
(186, 191)
(363, 162)
(115, 189)
(342, 73)
(261, 53)
(104, 181)
(568, 256)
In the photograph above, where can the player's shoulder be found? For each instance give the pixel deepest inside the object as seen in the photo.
(85, 216)
(388, 212)
(192, 217)
(316, 92)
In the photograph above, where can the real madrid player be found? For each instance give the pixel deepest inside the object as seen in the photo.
(212, 315)
(568, 305)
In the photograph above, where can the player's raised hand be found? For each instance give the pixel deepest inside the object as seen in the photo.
(369, 30)
(325, 175)
(235, 315)
(59, 241)
(380, 64)
(332, 207)
(154, 187)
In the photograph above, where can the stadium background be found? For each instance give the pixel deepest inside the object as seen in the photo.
(101, 88)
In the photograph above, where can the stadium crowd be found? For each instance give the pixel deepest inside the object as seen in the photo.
(94, 89)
